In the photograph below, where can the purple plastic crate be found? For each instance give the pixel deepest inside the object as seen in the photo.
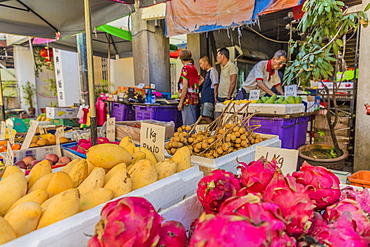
(160, 113)
(122, 112)
(300, 131)
(283, 127)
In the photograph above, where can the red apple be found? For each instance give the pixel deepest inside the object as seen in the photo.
(52, 157)
(21, 164)
(64, 160)
(32, 164)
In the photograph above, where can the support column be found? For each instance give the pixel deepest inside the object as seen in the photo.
(362, 134)
(82, 62)
(193, 44)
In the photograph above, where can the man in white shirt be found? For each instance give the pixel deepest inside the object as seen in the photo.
(265, 75)
(229, 73)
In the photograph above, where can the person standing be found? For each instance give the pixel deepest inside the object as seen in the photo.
(209, 89)
(189, 84)
(229, 73)
(265, 75)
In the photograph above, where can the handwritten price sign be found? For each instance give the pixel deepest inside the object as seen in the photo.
(111, 129)
(290, 90)
(254, 95)
(152, 137)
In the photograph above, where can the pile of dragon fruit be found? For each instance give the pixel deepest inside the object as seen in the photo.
(84, 144)
(262, 207)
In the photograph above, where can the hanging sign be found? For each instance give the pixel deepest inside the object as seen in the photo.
(10, 133)
(2, 130)
(152, 137)
(30, 133)
(111, 129)
(58, 134)
(254, 95)
(287, 159)
(290, 90)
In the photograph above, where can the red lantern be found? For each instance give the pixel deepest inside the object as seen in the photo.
(46, 52)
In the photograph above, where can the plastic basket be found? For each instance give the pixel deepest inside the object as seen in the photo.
(283, 127)
(67, 148)
(160, 113)
(300, 131)
(360, 178)
(122, 112)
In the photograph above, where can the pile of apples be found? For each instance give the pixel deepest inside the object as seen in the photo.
(28, 162)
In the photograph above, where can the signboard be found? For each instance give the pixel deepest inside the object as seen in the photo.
(290, 90)
(111, 129)
(254, 95)
(9, 156)
(287, 159)
(58, 134)
(31, 132)
(2, 130)
(152, 137)
(10, 133)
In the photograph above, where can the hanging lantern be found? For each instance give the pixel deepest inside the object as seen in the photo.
(46, 52)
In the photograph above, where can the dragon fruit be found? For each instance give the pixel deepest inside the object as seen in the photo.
(360, 220)
(293, 200)
(130, 222)
(231, 231)
(172, 233)
(283, 240)
(323, 185)
(338, 233)
(215, 188)
(362, 197)
(257, 174)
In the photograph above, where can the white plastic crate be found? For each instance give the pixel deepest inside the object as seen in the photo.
(267, 108)
(38, 153)
(73, 231)
(228, 162)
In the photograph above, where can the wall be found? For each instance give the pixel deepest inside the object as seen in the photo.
(44, 95)
(122, 73)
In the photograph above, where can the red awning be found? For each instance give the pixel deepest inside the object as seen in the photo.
(175, 54)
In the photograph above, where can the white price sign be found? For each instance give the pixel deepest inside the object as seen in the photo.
(10, 133)
(58, 134)
(2, 130)
(290, 90)
(254, 94)
(287, 159)
(30, 133)
(111, 129)
(9, 156)
(152, 137)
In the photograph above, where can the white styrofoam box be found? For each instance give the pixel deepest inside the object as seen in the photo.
(228, 162)
(266, 108)
(342, 175)
(38, 153)
(61, 112)
(185, 211)
(342, 85)
(72, 231)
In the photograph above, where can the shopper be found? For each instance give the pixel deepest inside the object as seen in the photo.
(265, 76)
(229, 73)
(209, 89)
(189, 84)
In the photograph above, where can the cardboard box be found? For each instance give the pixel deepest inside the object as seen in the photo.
(61, 112)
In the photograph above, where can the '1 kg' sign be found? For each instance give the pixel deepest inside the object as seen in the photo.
(152, 137)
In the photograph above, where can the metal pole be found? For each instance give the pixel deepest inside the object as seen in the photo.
(82, 61)
(108, 64)
(90, 71)
(2, 110)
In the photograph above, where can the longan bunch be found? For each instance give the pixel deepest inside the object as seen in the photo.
(179, 139)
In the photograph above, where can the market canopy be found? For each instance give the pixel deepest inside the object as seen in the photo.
(184, 16)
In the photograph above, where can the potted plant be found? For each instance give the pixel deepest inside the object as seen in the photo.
(324, 29)
(29, 92)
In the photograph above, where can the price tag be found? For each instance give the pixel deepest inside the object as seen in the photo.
(9, 156)
(2, 130)
(201, 127)
(141, 85)
(111, 129)
(10, 133)
(290, 90)
(287, 159)
(41, 130)
(58, 134)
(152, 137)
(121, 95)
(254, 94)
(31, 132)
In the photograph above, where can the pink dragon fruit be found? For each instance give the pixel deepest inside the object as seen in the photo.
(293, 200)
(204, 217)
(360, 220)
(215, 188)
(323, 185)
(338, 233)
(231, 231)
(283, 241)
(362, 197)
(172, 233)
(257, 175)
(129, 222)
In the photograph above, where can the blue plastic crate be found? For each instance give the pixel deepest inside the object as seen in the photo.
(68, 146)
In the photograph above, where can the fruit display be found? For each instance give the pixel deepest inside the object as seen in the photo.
(223, 136)
(4, 146)
(280, 100)
(42, 117)
(46, 139)
(46, 196)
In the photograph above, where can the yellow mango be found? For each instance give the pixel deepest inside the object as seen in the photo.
(59, 182)
(166, 168)
(120, 183)
(12, 188)
(140, 155)
(108, 155)
(40, 169)
(64, 205)
(112, 171)
(149, 155)
(90, 167)
(93, 181)
(70, 165)
(127, 144)
(95, 197)
(42, 183)
(24, 217)
(143, 173)
(7, 232)
(38, 196)
(46, 203)
(79, 173)
(183, 157)
(10, 170)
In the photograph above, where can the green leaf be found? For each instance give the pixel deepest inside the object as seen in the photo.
(339, 42)
(367, 7)
(335, 48)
